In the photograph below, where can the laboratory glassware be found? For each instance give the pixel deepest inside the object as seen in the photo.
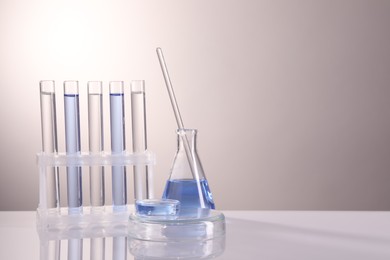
(96, 144)
(195, 219)
(117, 117)
(50, 146)
(72, 138)
(49, 139)
(73, 223)
(157, 207)
(187, 182)
(181, 185)
(73, 147)
(119, 192)
(142, 177)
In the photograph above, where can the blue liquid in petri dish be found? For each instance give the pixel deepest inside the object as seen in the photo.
(157, 207)
(186, 191)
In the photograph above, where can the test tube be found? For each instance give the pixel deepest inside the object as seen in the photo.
(142, 178)
(119, 194)
(50, 145)
(72, 137)
(117, 117)
(49, 140)
(96, 145)
(75, 249)
(95, 127)
(98, 246)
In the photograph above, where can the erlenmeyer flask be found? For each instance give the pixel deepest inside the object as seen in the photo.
(187, 182)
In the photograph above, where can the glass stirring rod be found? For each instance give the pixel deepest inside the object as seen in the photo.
(179, 121)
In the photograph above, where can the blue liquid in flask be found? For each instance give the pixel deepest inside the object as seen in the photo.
(186, 191)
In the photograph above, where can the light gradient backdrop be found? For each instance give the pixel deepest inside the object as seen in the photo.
(291, 98)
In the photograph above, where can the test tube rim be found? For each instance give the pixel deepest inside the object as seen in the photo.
(42, 85)
(135, 83)
(112, 85)
(70, 85)
(99, 87)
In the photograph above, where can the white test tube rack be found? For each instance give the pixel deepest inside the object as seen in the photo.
(58, 223)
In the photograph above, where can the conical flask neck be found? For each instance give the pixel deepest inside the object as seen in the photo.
(186, 137)
(186, 164)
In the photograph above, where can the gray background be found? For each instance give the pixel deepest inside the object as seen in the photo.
(291, 98)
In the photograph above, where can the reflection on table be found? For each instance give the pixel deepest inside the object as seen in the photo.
(263, 235)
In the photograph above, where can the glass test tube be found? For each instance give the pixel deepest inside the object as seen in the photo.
(117, 117)
(75, 249)
(142, 178)
(50, 145)
(98, 248)
(96, 145)
(95, 127)
(72, 138)
(49, 140)
(119, 194)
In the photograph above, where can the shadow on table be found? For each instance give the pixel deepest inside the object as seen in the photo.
(261, 240)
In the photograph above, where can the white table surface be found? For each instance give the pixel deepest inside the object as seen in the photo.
(253, 235)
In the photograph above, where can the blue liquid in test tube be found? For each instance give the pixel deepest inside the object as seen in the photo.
(119, 194)
(117, 117)
(72, 137)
